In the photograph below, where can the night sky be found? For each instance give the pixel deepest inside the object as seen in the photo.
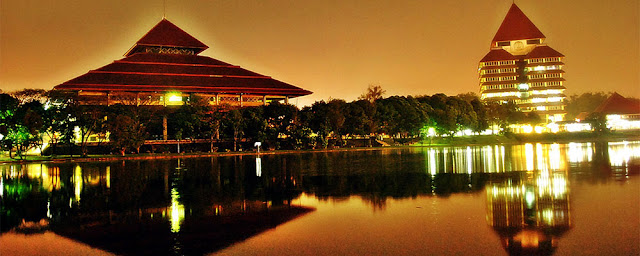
(333, 48)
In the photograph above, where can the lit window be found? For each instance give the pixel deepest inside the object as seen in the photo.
(523, 86)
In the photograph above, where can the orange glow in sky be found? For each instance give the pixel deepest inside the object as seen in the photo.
(333, 48)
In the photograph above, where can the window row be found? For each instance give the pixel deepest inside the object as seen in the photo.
(542, 68)
(498, 63)
(498, 70)
(542, 60)
(498, 78)
(498, 86)
(545, 84)
(542, 76)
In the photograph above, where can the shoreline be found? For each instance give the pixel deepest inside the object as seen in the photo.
(457, 142)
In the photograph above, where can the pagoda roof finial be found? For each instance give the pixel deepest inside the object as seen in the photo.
(516, 26)
(166, 34)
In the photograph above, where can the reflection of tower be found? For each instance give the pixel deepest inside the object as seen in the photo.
(530, 214)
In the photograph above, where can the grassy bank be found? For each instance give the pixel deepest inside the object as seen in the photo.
(434, 142)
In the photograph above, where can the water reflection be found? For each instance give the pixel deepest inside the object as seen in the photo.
(175, 203)
(530, 212)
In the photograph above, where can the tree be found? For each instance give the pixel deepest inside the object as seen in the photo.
(586, 102)
(212, 122)
(281, 120)
(127, 129)
(233, 122)
(190, 118)
(402, 116)
(373, 93)
(27, 95)
(479, 109)
(90, 120)
(8, 107)
(359, 118)
(317, 119)
(255, 124)
(598, 122)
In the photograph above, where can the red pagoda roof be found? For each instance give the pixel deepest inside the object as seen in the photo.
(154, 72)
(166, 34)
(543, 51)
(498, 54)
(617, 104)
(516, 26)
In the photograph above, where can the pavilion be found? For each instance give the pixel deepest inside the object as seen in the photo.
(164, 68)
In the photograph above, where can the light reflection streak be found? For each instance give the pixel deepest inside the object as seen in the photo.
(488, 158)
(77, 180)
(177, 211)
(469, 161)
(554, 157)
(620, 153)
(526, 157)
(108, 176)
(540, 158)
(502, 157)
(432, 161)
(529, 156)
(258, 167)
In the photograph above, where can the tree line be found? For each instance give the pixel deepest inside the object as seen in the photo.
(31, 117)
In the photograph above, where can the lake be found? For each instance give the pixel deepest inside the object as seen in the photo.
(541, 199)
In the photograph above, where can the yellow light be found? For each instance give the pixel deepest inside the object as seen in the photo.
(174, 98)
(527, 129)
(538, 129)
(529, 156)
(553, 127)
(77, 180)
(614, 117)
(177, 211)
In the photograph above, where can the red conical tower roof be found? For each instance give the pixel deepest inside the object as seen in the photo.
(166, 34)
(516, 26)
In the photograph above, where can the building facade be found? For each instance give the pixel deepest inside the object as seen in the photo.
(521, 68)
(164, 68)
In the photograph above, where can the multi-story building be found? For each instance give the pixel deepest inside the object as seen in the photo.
(521, 68)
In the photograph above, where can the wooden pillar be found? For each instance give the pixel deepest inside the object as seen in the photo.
(137, 99)
(241, 100)
(286, 99)
(165, 136)
(108, 98)
(264, 100)
(217, 99)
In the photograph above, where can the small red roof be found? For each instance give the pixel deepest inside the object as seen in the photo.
(617, 104)
(498, 54)
(516, 26)
(543, 51)
(167, 34)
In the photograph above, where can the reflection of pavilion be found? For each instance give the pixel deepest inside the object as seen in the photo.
(530, 214)
(158, 210)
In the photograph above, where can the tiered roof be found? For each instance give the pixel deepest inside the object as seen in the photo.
(498, 54)
(145, 70)
(516, 26)
(617, 104)
(167, 34)
(543, 51)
